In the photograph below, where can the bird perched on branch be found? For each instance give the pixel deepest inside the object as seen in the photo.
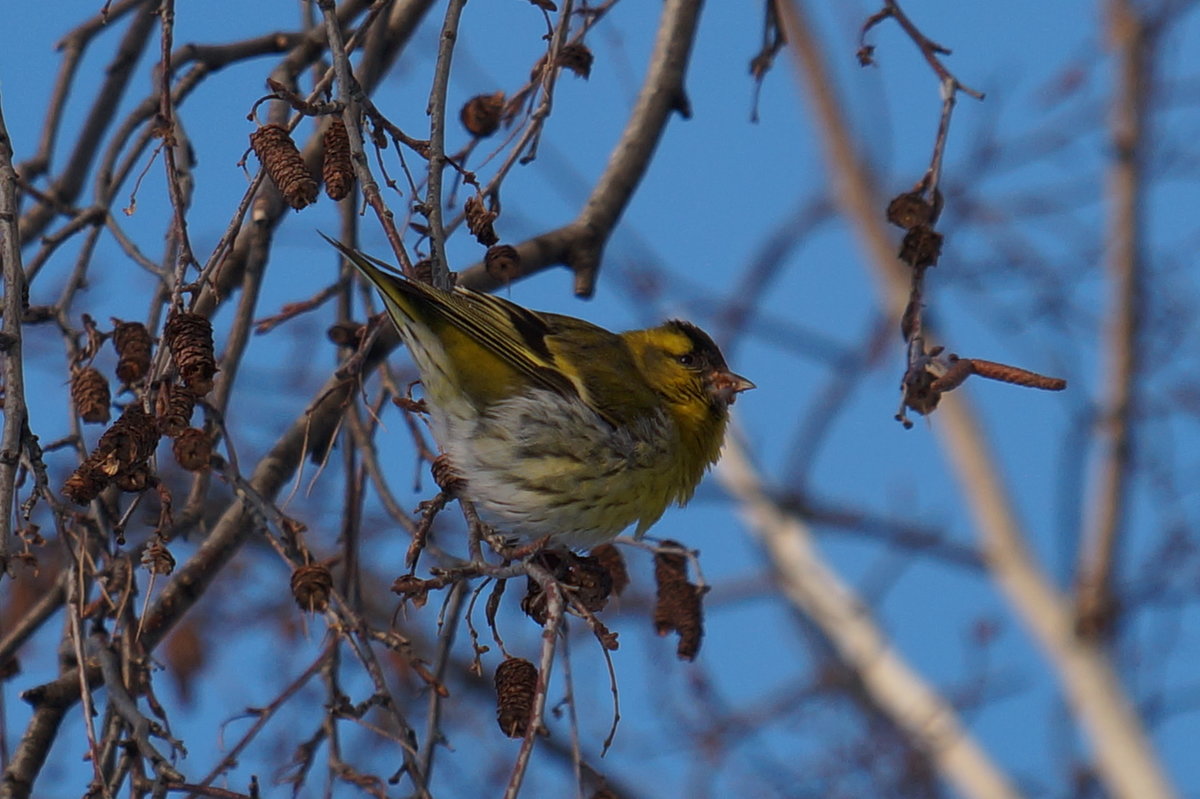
(559, 427)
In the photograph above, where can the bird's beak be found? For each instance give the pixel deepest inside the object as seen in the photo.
(725, 385)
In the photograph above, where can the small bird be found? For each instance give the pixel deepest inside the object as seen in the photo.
(561, 428)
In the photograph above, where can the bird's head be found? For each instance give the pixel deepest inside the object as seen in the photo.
(684, 366)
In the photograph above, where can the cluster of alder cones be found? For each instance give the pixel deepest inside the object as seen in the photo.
(122, 455)
(273, 145)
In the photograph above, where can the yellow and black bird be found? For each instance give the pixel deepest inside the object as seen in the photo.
(560, 427)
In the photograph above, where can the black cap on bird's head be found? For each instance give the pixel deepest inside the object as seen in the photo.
(705, 356)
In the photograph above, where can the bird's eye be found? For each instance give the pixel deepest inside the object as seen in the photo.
(687, 359)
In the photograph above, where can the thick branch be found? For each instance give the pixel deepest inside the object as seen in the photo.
(16, 415)
(1107, 500)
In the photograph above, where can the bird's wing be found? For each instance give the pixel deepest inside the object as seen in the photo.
(539, 347)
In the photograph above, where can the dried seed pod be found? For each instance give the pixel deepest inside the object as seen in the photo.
(502, 262)
(189, 337)
(609, 556)
(337, 170)
(590, 581)
(482, 113)
(157, 558)
(678, 606)
(133, 343)
(129, 442)
(193, 449)
(577, 58)
(922, 246)
(533, 604)
(90, 395)
(135, 479)
(910, 209)
(919, 394)
(274, 147)
(516, 686)
(311, 586)
(584, 578)
(479, 221)
(174, 406)
(85, 483)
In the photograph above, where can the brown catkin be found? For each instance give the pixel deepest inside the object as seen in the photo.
(132, 342)
(90, 395)
(193, 449)
(481, 114)
(189, 337)
(689, 623)
(678, 607)
(516, 686)
(337, 170)
(275, 149)
(311, 586)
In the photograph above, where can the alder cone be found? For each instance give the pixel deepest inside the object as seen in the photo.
(516, 685)
(132, 342)
(90, 395)
(193, 449)
(337, 170)
(285, 166)
(189, 338)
